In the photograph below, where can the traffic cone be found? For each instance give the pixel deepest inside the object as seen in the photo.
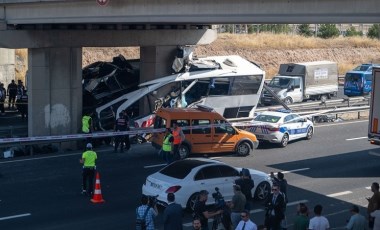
(97, 197)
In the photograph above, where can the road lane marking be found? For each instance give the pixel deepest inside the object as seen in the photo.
(373, 153)
(15, 216)
(339, 194)
(340, 123)
(296, 170)
(296, 202)
(41, 158)
(356, 138)
(292, 171)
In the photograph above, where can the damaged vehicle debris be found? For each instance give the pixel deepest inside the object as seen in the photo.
(229, 84)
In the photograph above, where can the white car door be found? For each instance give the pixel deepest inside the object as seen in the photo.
(291, 126)
(208, 178)
(229, 175)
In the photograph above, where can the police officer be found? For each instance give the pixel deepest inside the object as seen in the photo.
(167, 146)
(88, 160)
(121, 124)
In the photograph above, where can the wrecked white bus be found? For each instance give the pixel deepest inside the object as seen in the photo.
(229, 84)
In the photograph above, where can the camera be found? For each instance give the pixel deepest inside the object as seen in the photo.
(219, 199)
(152, 200)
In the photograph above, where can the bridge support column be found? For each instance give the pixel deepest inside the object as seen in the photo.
(155, 62)
(55, 91)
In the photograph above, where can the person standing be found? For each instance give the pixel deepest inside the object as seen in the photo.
(120, 126)
(22, 105)
(246, 184)
(275, 209)
(178, 138)
(376, 216)
(201, 212)
(87, 125)
(373, 203)
(20, 89)
(88, 160)
(3, 94)
(302, 220)
(173, 214)
(357, 221)
(318, 222)
(197, 224)
(246, 223)
(12, 92)
(149, 210)
(237, 205)
(168, 146)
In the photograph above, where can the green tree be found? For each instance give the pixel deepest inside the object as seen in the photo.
(328, 31)
(304, 30)
(373, 31)
(351, 32)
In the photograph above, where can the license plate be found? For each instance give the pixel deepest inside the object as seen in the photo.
(154, 185)
(259, 136)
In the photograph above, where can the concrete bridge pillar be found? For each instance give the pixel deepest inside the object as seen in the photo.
(155, 62)
(54, 91)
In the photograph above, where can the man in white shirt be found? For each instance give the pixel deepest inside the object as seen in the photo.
(376, 215)
(246, 223)
(318, 222)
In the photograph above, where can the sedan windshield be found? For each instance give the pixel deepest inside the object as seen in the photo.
(267, 118)
(180, 169)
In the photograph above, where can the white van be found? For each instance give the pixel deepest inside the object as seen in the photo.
(229, 84)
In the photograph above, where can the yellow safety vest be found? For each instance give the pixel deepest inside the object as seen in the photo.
(167, 146)
(86, 124)
(89, 158)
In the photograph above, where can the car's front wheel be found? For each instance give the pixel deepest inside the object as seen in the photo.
(243, 149)
(191, 202)
(184, 151)
(284, 140)
(262, 191)
(309, 134)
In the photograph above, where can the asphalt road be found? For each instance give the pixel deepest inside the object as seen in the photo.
(334, 169)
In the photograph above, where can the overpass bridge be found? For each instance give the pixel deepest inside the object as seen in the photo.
(55, 31)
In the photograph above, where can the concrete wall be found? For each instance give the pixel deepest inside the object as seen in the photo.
(7, 66)
(55, 91)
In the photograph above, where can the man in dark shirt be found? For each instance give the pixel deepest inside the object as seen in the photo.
(201, 211)
(246, 184)
(120, 126)
(12, 92)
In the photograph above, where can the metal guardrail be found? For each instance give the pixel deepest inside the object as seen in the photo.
(314, 112)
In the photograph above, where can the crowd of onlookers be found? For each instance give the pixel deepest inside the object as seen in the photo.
(16, 96)
(275, 218)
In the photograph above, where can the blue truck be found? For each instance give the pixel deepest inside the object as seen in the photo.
(358, 82)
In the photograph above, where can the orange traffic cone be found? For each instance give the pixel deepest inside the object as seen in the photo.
(97, 197)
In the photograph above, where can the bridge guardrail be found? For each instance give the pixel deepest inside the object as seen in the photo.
(27, 141)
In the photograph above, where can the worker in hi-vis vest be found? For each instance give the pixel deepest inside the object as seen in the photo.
(168, 146)
(178, 138)
(87, 126)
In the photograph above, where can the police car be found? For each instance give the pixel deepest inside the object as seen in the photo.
(281, 127)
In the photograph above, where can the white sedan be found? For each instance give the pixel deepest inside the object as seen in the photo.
(281, 127)
(185, 178)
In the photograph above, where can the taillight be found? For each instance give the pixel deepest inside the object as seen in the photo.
(273, 129)
(173, 189)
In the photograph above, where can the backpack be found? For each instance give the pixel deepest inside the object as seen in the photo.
(140, 221)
